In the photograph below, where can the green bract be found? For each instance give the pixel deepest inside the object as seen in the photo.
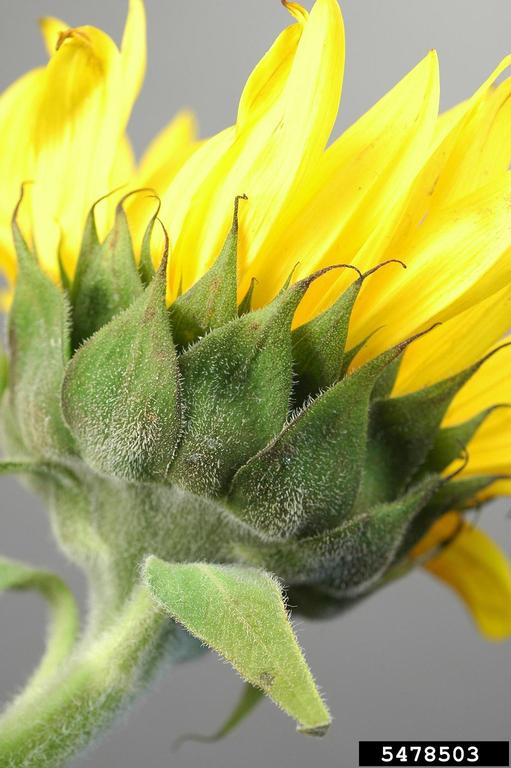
(199, 461)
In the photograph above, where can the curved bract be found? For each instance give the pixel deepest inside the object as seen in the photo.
(219, 411)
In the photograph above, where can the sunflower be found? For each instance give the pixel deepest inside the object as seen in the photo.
(315, 389)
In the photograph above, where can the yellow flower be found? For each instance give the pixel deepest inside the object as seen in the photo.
(403, 182)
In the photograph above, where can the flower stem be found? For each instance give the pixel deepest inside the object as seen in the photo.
(101, 677)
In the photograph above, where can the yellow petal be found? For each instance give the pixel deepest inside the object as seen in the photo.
(271, 153)
(260, 98)
(480, 574)
(177, 200)
(164, 157)
(489, 386)
(263, 88)
(18, 105)
(495, 142)
(489, 452)
(133, 56)
(168, 152)
(122, 174)
(455, 345)
(51, 29)
(460, 132)
(469, 128)
(358, 194)
(483, 148)
(458, 257)
(124, 165)
(89, 89)
(447, 136)
(76, 135)
(499, 488)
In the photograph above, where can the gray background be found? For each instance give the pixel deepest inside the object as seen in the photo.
(406, 664)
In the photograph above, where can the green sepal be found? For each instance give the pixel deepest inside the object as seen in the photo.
(236, 387)
(211, 301)
(402, 432)
(39, 343)
(350, 354)
(248, 700)
(319, 345)
(308, 478)
(450, 442)
(459, 495)
(289, 279)
(145, 266)
(64, 277)
(245, 305)
(106, 280)
(240, 613)
(386, 381)
(121, 391)
(350, 559)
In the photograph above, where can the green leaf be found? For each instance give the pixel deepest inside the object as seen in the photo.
(249, 699)
(351, 558)
(106, 280)
(236, 387)
(39, 350)
(212, 301)
(64, 621)
(308, 478)
(121, 391)
(240, 613)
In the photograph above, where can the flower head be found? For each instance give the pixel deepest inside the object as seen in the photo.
(287, 391)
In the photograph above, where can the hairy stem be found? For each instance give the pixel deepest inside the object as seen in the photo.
(101, 677)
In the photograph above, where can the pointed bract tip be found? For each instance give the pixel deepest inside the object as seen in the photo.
(307, 281)
(105, 197)
(318, 730)
(14, 219)
(162, 269)
(383, 264)
(464, 457)
(125, 197)
(155, 196)
(493, 352)
(236, 210)
(404, 344)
